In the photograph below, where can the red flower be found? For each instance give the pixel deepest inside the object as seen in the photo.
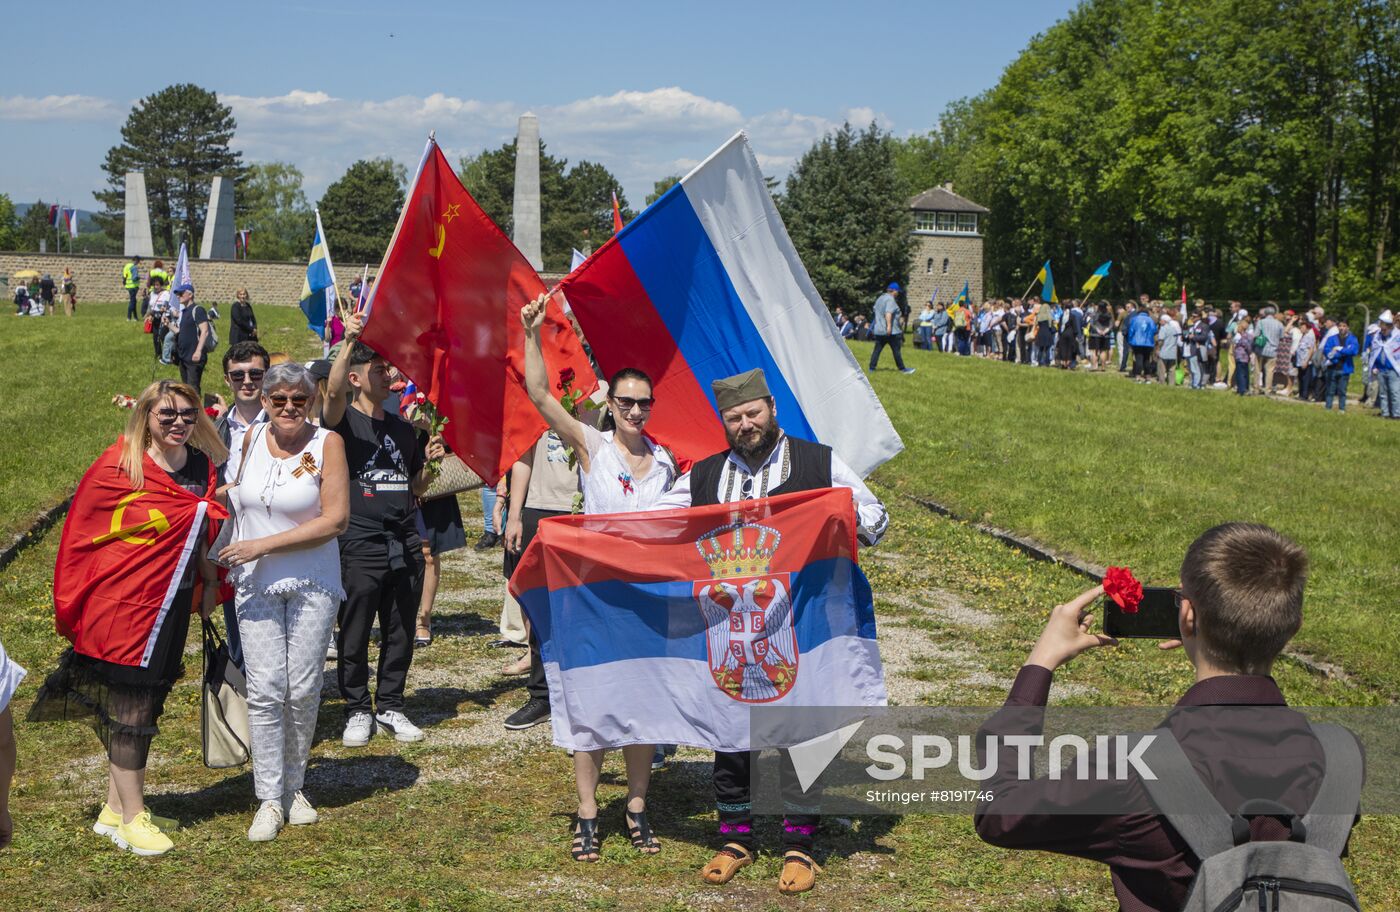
(566, 378)
(1120, 585)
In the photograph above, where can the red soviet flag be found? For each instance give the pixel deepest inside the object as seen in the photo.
(445, 310)
(122, 554)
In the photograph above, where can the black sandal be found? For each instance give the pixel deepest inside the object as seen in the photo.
(639, 831)
(585, 839)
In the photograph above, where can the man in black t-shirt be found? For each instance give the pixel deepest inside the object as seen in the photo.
(381, 560)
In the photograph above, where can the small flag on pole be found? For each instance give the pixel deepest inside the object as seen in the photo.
(617, 215)
(53, 216)
(1097, 277)
(577, 260)
(70, 221)
(318, 289)
(963, 296)
(1047, 280)
(182, 269)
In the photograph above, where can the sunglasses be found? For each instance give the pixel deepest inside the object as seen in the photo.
(167, 416)
(298, 401)
(253, 376)
(626, 403)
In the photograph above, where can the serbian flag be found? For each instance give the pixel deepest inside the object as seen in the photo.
(445, 310)
(122, 555)
(704, 284)
(669, 626)
(53, 216)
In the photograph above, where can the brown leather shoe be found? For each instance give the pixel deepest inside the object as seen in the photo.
(726, 863)
(799, 873)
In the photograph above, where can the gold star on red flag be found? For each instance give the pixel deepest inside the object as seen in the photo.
(451, 212)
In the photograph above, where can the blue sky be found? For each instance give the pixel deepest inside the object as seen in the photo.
(647, 89)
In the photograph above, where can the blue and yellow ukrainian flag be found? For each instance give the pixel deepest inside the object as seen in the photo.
(318, 288)
(1047, 287)
(1097, 277)
(962, 299)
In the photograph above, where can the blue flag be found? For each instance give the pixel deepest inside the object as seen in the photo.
(318, 289)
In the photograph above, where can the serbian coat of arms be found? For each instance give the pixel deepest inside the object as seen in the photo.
(748, 613)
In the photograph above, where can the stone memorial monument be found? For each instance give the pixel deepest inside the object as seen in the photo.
(218, 222)
(525, 214)
(138, 217)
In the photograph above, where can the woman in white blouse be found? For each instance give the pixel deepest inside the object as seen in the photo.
(291, 500)
(622, 471)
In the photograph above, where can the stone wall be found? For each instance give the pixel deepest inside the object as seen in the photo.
(99, 278)
(964, 256)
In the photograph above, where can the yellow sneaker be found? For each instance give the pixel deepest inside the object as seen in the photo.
(108, 821)
(141, 836)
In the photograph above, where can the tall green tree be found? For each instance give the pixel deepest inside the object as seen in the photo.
(1243, 147)
(359, 211)
(277, 212)
(180, 138)
(33, 227)
(575, 203)
(9, 224)
(848, 216)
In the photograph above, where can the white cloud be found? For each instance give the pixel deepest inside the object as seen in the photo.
(639, 135)
(56, 107)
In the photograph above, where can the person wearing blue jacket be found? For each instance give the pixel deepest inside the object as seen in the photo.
(1338, 352)
(1142, 336)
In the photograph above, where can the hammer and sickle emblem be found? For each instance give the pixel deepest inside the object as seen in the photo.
(156, 523)
(436, 252)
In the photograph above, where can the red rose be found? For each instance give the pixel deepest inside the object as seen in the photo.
(566, 377)
(1120, 585)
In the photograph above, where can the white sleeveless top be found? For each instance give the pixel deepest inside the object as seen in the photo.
(277, 495)
(608, 485)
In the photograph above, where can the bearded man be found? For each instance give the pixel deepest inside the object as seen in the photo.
(763, 461)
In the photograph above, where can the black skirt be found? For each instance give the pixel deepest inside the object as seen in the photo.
(440, 525)
(122, 703)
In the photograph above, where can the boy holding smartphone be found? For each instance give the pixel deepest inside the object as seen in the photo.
(1241, 601)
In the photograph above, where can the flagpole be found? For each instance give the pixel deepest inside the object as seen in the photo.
(335, 290)
(403, 213)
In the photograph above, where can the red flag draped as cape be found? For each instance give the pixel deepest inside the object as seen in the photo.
(122, 555)
(446, 312)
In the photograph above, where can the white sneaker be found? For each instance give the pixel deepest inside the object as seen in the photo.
(397, 724)
(358, 729)
(299, 810)
(266, 823)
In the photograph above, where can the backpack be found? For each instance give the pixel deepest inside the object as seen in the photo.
(212, 341)
(1261, 342)
(1304, 874)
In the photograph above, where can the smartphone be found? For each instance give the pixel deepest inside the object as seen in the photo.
(1155, 618)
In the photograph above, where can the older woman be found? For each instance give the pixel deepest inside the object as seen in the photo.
(124, 586)
(622, 470)
(291, 500)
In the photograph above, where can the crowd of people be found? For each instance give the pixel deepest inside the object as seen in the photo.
(300, 512)
(327, 537)
(36, 297)
(1311, 356)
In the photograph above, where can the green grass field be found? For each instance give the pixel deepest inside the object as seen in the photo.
(477, 818)
(60, 375)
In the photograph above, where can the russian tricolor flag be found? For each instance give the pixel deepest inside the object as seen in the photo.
(704, 284)
(670, 626)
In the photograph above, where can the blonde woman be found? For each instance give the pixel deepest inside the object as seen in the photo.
(132, 565)
(243, 325)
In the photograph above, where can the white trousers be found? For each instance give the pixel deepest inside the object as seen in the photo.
(284, 653)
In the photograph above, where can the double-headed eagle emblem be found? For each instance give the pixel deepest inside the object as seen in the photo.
(748, 614)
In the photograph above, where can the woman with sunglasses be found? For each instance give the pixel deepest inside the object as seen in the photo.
(622, 470)
(124, 587)
(290, 500)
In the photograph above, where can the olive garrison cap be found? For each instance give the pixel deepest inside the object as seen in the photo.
(740, 388)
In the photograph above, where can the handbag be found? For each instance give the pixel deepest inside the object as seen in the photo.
(223, 718)
(453, 477)
(149, 325)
